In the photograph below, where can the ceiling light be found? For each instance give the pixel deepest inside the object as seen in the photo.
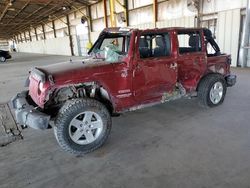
(11, 9)
(10, 3)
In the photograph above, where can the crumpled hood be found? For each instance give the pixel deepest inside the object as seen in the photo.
(79, 70)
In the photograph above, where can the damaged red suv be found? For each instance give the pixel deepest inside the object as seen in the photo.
(127, 69)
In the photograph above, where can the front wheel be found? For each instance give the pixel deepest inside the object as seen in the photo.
(82, 126)
(212, 90)
(2, 59)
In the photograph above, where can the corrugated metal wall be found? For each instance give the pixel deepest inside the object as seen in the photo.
(179, 22)
(228, 29)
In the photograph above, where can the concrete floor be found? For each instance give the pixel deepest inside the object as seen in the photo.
(178, 144)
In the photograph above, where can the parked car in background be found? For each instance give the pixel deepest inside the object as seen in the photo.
(4, 55)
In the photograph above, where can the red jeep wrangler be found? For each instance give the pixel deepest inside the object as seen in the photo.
(127, 69)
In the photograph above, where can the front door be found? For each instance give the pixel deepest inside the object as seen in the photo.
(155, 71)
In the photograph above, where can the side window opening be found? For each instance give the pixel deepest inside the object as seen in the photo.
(189, 42)
(144, 47)
(154, 45)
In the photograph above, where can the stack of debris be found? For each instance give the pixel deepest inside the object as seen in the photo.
(9, 131)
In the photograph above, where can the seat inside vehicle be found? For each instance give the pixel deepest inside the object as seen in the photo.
(144, 48)
(162, 47)
(193, 43)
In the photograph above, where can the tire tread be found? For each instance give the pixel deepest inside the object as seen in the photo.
(64, 114)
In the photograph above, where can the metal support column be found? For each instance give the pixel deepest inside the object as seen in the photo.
(155, 8)
(125, 9)
(70, 36)
(245, 38)
(105, 13)
(112, 13)
(90, 19)
(36, 34)
(126, 12)
(25, 38)
(54, 28)
(15, 39)
(44, 34)
(30, 36)
(21, 37)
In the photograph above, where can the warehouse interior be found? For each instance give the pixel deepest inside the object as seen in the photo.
(55, 27)
(177, 144)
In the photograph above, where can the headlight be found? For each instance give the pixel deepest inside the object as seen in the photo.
(40, 86)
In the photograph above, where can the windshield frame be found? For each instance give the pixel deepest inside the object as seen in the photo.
(105, 35)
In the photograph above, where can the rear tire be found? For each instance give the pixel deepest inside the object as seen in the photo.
(212, 90)
(82, 126)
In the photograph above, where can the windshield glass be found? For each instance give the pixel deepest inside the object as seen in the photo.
(111, 47)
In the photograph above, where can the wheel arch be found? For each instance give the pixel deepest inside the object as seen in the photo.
(90, 89)
(205, 76)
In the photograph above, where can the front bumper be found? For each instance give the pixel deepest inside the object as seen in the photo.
(231, 80)
(28, 115)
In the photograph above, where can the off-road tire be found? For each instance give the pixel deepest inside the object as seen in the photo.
(206, 85)
(68, 112)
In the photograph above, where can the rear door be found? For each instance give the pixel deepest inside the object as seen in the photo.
(191, 57)
(155, 71)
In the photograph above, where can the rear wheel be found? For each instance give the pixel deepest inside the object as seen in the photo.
(2, 59)
(82, 126)
(212, 90)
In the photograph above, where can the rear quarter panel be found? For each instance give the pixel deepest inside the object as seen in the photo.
(219, 64)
